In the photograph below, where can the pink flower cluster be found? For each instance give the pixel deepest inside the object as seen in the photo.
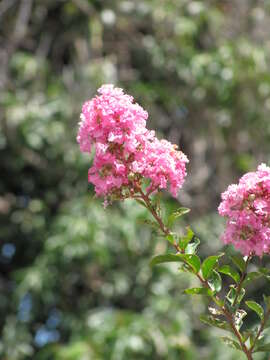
(247, 207)
(126, 151)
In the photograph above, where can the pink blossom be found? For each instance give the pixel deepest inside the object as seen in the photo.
(107, 172)
(247, 208)
(126, 152)
(162, 163)
(111, 117)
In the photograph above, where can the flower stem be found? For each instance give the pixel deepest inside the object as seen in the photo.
(261, 328)
(226, 313)
(166, 231)
(240, 284)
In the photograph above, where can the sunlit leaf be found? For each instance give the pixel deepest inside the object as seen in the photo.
(192, 260)
(192, 246)
(238, 318)
(256, 307)
(170, 238)
(228, 270)
(198, 291)
(215, 281)
(160, 259)
(183, 241)
(209, 265)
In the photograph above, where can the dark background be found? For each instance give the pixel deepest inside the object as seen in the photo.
(75, 281)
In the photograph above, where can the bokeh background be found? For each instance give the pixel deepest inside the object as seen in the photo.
(75, 281)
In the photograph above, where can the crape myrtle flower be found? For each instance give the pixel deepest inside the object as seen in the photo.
(247, 208)
(126, 152)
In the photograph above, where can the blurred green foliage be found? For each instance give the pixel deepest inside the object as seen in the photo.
(75, 281)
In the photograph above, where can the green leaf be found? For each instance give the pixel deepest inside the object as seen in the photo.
(176, 214)
(231, 343)
(215, 281)
(228, 270)
(238, 318)
(192, 246)
(239, 262)
(209, 264)
(199, 291)
(183, 242)
(256, 307)
(240, 295)
(170, 238)
(193, 260)
(212, 321)
(231, 295)
(160, 259)
(262, 348)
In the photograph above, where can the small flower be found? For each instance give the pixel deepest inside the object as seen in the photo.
(126, 152)
(247, 208)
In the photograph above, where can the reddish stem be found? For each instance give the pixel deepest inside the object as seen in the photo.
(239, 286)
(226, 313)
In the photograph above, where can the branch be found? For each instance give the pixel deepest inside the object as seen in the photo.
(204, 282)
(239, 286)
(261, 328)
